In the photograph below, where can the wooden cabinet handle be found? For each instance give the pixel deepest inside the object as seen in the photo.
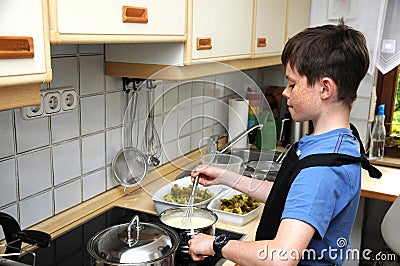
(261, 42)
(204, 43)
(14, 47)
(134, 14)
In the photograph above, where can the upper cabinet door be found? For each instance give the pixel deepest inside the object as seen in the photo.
(77, 20)
(221, 28)
(24, 43)
(298, 16)
(270, 26)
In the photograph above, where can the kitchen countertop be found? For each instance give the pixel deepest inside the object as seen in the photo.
(387, 188)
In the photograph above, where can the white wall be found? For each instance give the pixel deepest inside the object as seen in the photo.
(366, 18)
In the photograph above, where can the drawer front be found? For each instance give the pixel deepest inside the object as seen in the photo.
(107, 17)
(221, 28)
(22, 48)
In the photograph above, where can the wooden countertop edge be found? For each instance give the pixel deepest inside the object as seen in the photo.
(377, 195)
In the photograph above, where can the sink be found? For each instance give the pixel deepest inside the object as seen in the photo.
(249, 155)
(255, 155)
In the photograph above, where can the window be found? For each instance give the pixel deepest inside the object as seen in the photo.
(388, 92)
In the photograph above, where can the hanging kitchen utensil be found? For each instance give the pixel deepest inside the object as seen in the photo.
(152, 144)
(129, 165)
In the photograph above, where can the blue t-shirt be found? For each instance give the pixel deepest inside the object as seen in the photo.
(326, 197)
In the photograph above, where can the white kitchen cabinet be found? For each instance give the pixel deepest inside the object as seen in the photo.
(298, 17)
(220, 28)
(218, 31)
(97, 21)
(269, 27)
(24, 52)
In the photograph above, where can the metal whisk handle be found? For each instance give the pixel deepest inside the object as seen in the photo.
(193, 192)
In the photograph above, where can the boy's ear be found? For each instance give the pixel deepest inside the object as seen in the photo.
(328, 88)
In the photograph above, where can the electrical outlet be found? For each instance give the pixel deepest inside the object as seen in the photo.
(52, 102)
(33, 111)
(69, 99)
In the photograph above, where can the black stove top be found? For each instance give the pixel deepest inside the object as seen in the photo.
(70, 247)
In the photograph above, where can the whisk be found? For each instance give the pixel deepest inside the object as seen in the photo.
(187, 216)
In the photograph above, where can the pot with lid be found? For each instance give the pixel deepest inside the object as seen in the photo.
(134, 243)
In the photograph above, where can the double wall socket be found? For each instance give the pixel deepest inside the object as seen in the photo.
(54, 101)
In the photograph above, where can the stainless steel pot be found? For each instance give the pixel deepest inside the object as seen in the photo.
(135, 244)
(186, 232)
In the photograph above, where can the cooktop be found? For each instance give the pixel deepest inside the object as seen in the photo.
(69, 248)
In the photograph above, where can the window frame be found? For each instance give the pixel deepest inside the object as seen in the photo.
(386, 87)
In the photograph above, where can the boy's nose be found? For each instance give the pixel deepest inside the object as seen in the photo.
(285, 93)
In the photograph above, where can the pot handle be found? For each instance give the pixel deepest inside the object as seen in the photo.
(131, 242)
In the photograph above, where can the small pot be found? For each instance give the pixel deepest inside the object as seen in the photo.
(172, 217)
(134, 243)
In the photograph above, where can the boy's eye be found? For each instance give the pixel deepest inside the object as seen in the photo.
(291, 86)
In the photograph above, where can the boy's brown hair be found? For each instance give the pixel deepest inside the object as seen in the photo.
(339, 52)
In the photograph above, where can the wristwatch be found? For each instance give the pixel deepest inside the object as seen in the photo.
(220, 242)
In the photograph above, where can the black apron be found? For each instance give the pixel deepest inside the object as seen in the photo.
(291, 167)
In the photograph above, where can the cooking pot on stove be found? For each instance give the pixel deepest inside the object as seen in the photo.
(134, 243)
(173, 217)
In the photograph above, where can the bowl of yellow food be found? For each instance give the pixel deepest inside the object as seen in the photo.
(177, 193)
(235, 207)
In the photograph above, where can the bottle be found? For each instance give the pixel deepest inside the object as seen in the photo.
(378, 135)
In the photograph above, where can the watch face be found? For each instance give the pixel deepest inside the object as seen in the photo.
(221, 238)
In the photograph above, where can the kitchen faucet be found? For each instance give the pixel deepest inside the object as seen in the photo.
(212, 143)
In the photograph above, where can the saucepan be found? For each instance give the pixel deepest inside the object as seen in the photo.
(134, 243)
(202, 221)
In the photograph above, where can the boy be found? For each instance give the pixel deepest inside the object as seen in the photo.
(311, 206)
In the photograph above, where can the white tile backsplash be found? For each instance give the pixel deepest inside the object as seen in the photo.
(34, 172)
(65, 72)
(115, 108)
(184, 121)
(67, 196)
(49, 165)
(65, 49)
(170, 96)
(65, 126)
(111, 182)
(91, 48)
(113, 84)
(6, 133)
(114, 143)
(92, 74)
(92, 119)
(66, 171)
(170, 127)
(8, 184)
(31, 134)
(36, 209)
(183, 145)
(93, 152)
(94, 184)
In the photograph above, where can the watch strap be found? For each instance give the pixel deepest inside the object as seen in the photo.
(219, 242)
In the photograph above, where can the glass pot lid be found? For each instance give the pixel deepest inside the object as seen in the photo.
(133, 243)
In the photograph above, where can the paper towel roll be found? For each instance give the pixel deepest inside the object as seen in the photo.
(238, 118)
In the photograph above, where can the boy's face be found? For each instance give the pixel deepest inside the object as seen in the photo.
(303, 101)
